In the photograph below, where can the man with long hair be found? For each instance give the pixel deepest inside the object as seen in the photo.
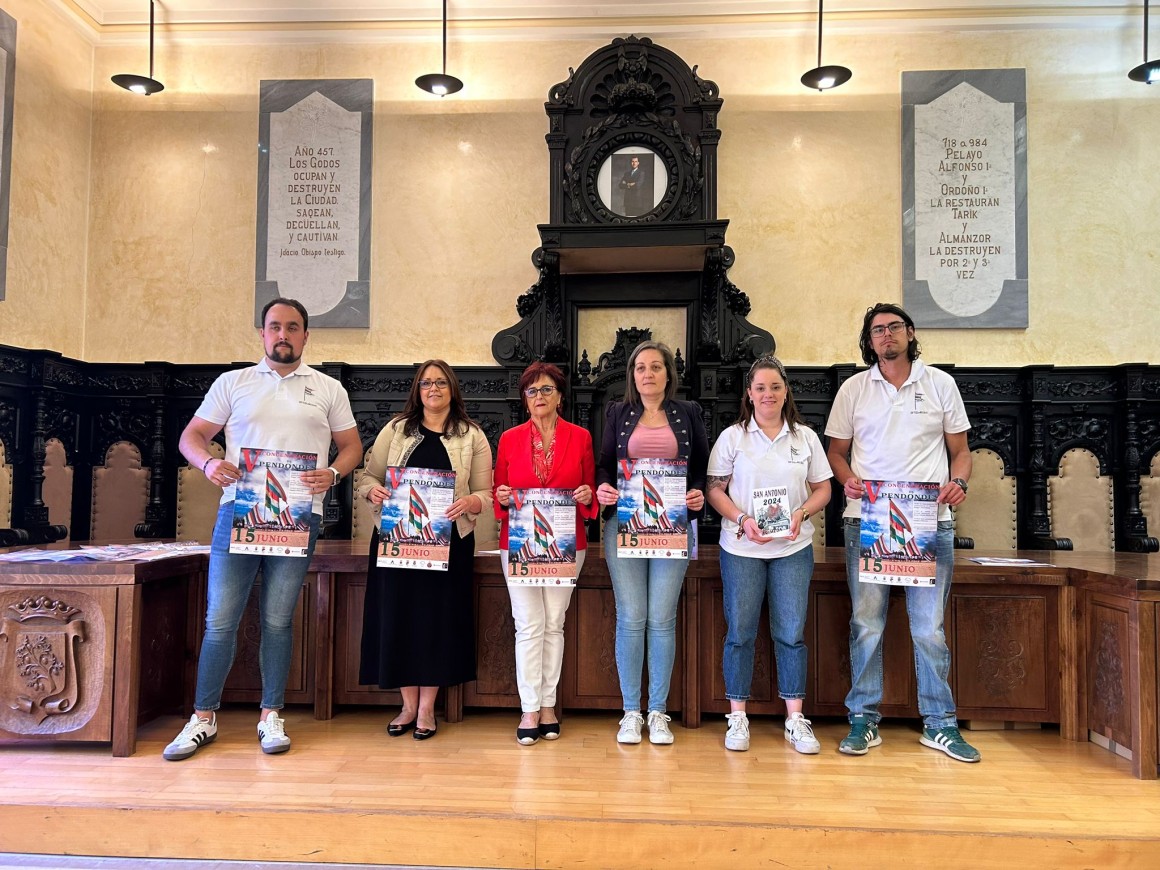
(900, 420)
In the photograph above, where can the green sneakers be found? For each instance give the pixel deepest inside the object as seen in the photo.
(947, 740)
(863, 734)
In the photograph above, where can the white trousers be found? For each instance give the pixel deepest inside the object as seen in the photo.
(538, 612)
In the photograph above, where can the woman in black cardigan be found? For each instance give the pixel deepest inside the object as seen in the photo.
(649, 423)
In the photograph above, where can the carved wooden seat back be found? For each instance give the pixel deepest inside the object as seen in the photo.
(989, 516)
(197, 500)
(1150, 496)
(120, 493)
(363, 515)
(487, 528)
(58, 484)
(820, 530)
(5, 490)
(1080, 503)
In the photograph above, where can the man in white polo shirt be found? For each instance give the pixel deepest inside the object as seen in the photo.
(278, 404)
(901, 421)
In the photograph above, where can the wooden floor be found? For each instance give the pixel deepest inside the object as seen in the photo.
(346, 793)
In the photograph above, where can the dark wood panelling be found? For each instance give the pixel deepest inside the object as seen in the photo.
(244, 682)
(1006, 653)
(1109, 679)
(348, 612)
(165, 627)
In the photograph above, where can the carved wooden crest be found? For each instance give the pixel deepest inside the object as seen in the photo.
(39, 662)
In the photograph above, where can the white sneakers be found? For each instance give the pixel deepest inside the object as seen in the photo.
(633, 722)
(797, 732)
(658, 728)
(272, 734)
(800, 734)
(193, 736)
(737, 735)
(198, 732)
(630, 727)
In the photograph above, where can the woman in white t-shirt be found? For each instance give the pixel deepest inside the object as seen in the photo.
(767, 477)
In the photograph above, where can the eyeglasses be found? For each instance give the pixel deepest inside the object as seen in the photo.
(544, 391)
(893, 328)
(427, 383)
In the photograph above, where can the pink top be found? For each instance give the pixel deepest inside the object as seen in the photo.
(652, 442)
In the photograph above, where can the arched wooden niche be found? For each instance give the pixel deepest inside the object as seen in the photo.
(632, 148)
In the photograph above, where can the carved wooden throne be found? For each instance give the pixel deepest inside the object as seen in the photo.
(633, 110)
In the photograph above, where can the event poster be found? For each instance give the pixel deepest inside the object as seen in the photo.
(272, 505)
(651, 517)
(542, 537)
(414, 530)
(771, 510)
(899, 524)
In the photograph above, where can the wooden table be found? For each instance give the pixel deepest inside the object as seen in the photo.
(88, 650)
(1073, 642)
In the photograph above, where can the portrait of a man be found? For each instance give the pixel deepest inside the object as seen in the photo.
(633, 195)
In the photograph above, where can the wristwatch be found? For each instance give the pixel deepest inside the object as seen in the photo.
(337, 476)
(805, 514)
(962, 483)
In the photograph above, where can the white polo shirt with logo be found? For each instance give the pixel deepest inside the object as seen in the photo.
(898, 434)
(260, 408)
(752, 461)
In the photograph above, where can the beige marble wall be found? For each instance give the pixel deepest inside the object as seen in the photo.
(48, 205)
(810, 183)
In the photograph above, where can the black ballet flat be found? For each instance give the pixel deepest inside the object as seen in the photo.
(401, 729)
(550, 731)
(527, 736)
(425, 733)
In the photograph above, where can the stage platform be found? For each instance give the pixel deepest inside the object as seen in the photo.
(347, 793)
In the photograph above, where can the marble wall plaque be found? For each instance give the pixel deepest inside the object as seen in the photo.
(7, 89)
(964, 198)
(314, 198)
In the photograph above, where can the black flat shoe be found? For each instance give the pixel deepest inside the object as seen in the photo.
(425, 733)
(550, 730)
(401, 729)
(528, 736)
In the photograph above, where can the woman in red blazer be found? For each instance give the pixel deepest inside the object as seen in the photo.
(543, 453)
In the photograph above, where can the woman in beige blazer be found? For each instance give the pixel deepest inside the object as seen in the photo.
(419, 624)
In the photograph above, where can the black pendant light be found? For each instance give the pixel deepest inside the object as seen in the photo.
(441, 84)
(1149, 71)
(145, 85)
(825, 77)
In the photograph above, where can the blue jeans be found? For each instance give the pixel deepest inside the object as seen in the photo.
(231, 577)
(647, 592)
(785, 583)
(925, 606)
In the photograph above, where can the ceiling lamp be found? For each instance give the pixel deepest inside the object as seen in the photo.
(441, 84)
(825, 77)
(1149, 70)
(141, 84)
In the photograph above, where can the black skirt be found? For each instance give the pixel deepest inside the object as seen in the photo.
(419, 626)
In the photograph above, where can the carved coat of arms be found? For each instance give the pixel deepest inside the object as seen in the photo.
(39, 674)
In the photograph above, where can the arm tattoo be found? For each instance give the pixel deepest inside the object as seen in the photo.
(721, 482)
